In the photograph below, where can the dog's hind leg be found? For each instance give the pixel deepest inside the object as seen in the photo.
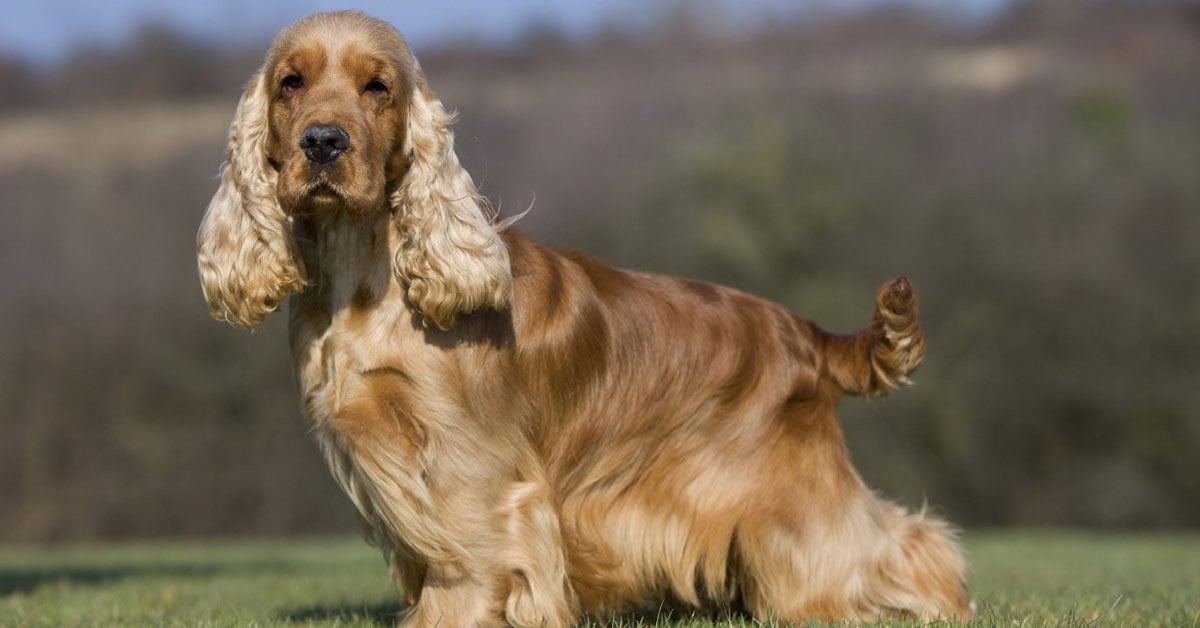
(823, 545)
(863, 560)
(920, 571)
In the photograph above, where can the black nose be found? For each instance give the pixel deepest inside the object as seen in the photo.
(322, 143)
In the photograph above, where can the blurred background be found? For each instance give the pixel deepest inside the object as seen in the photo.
(1033, 167)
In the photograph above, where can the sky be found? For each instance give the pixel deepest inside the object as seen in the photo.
(45, 31)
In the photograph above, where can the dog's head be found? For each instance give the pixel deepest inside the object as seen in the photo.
(336, 88)
(340, 119)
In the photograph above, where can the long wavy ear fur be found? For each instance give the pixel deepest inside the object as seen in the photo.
(248, 258)
(451, 257)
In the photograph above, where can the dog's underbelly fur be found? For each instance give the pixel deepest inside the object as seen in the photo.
(742, 501)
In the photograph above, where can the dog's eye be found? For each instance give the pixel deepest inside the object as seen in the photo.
(376, 87)
(291, 83)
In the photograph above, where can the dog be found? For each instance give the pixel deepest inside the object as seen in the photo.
(531, 436)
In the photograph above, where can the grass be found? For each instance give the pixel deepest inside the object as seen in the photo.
(1019, 578)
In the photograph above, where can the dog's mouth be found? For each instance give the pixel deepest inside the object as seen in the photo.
(316, 195)
(324, 191)
(322, 185)
(324, 188)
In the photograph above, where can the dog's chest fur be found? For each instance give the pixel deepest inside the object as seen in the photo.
(352, 335)
(353, 328)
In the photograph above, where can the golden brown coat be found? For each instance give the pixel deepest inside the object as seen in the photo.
(528, 434)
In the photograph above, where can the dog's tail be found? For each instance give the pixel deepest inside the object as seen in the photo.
(879, 358)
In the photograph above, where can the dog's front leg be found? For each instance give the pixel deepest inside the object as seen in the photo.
(464, 509)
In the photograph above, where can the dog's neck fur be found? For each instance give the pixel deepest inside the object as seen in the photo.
(352, 257)
(349, 259)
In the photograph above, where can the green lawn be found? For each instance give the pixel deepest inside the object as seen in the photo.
(1019, 578)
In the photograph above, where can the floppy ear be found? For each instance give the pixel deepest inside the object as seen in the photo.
(451, 254)
(248, 258)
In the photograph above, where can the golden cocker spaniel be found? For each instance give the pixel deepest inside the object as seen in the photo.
(530, 435)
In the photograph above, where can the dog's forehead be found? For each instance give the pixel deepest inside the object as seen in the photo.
(341, 35)
(346, 58)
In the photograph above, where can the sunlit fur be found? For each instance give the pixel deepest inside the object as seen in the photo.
(247, 257)
(530, 435)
